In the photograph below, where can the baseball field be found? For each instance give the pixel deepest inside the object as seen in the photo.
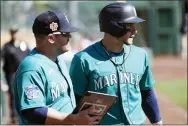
(170, 74)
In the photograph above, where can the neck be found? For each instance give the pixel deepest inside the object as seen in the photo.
(12, 41)
(48, 52)
(112, 44)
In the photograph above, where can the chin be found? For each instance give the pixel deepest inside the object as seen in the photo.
(129, 41)
(63, 49)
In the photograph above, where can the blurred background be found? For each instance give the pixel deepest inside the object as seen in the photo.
(163, 36)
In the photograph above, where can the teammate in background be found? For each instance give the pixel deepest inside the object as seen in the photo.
(184, 29)
(114, 66)
(12, 54)
(42, 85)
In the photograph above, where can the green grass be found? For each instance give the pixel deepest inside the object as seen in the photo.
(175, 90)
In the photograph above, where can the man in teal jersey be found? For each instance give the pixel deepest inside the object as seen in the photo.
(114, 66)
(42, 86)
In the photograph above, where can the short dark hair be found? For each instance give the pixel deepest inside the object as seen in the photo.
(13, 30)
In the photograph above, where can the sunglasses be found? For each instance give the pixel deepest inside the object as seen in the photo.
(66, 34)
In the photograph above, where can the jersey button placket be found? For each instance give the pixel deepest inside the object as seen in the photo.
(125, 98)
(120, 68)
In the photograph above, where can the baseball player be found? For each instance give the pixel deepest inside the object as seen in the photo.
(114, 66)
(42, 85)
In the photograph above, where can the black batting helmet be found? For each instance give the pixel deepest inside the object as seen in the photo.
(112, 17)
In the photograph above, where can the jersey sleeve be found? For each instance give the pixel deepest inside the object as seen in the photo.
(147, 81)
(78, 76)
(30, 90)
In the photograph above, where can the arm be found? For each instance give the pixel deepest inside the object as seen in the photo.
(149, 101)
(150, 106)
(81, 118)
(44, 115)
(29, 88)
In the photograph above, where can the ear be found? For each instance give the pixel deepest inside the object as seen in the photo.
(51, 38)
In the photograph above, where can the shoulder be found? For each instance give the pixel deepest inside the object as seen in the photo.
(142, 54)
(138, 50)
(87, 52)
(29, 63)
(6, 46)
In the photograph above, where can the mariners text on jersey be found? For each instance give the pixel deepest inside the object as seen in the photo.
(92, 70)
(111, 79)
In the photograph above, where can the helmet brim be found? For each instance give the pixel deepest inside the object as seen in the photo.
(132, 20)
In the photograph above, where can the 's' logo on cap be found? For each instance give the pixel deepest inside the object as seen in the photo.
(53, 26)
(66, 18)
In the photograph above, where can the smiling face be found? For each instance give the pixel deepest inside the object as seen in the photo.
(127, 38)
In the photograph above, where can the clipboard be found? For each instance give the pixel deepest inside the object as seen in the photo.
(101, 102)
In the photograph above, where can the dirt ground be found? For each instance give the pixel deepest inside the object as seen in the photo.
(167, 68)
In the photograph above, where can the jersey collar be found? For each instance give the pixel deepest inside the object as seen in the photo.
(102, 52)
(38, 55)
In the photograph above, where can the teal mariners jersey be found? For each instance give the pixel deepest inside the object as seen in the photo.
(40, 82)
(91, 70)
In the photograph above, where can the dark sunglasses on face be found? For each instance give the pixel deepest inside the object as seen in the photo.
(66, 34)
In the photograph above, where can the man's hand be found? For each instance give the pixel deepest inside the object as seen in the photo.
(84, 117)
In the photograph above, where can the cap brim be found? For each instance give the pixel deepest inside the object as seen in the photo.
(133, 20)
(70, 29)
